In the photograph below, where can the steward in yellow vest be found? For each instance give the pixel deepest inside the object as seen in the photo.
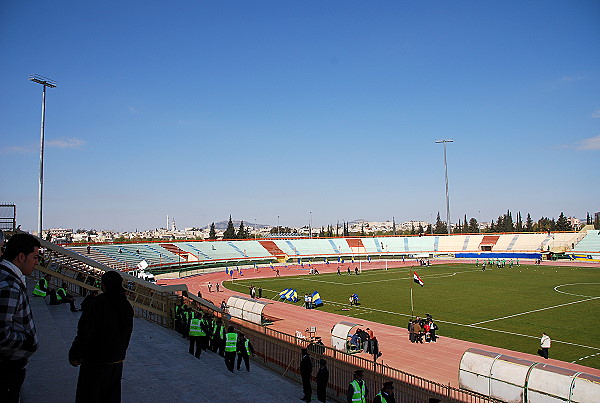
(195, 333)
(41, 288)
(357, 390)
(386, 395)
(231, 339)
(244, 351)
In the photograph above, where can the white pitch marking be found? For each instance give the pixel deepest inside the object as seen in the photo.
(569, 293)
(535, 310)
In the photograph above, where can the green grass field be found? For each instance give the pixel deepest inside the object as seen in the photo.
(507, 307)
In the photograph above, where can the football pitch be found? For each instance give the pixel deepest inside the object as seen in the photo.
(502, 307)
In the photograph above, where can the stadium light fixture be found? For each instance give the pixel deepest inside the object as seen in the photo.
(446, 172)
(45, 82)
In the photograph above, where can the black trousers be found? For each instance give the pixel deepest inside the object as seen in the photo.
(230, 360)
(306, 387)
(100, 383)
(12, 375)
(195, 341)
(246, 359)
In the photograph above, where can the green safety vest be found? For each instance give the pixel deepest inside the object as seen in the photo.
(382, 397)
(38, 290)
(231, 342)
(195, 328)
(246, 347)
(59, 295)
(359, 392)
(188, 316)
(218, 332)
(206, 325)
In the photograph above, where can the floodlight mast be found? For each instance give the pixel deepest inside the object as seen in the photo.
(446, 175)
(45, 82)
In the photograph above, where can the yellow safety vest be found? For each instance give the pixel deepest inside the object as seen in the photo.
(359, 392)
(382, 397)
(59, 295)
(38, 290)
(231, 342)
(246, 347)
(195, 328)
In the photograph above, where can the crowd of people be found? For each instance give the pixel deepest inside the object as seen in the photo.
(208, 333)
(422, 328)
(365, 341)
(499, 263)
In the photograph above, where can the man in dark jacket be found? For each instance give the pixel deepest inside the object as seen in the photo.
(306, 373)
(103, 335)
(244, 351)
(322, 380)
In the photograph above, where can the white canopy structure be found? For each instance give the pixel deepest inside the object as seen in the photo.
(340, 333)
(512, 379)
(246, 309)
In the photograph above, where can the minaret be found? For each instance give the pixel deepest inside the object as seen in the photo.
(167, 227)
(174, 227)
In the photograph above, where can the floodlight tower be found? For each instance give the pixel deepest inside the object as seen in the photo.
(446, 171)
(45, 82)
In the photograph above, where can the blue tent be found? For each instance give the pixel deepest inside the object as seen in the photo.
(289, 294)
(316, 299)
(282, 293)
(292, 295)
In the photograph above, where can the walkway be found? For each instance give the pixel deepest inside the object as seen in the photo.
(158, 367)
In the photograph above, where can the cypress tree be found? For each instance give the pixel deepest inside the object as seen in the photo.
(230, 231)
(562, 224)
(212, 234)
(529, 223)
(440, 226)
(242, 232)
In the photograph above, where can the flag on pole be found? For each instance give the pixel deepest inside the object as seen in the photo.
(417, 279)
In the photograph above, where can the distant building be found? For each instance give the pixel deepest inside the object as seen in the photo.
(575, 223)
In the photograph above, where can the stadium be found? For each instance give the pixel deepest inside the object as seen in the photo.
(334, 120)
(503, 329)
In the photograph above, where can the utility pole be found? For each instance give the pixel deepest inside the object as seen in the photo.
(446, 175)
(45, 82)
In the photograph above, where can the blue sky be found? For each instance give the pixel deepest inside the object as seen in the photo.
(262, 109)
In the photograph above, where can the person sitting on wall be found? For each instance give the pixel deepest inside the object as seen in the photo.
(60, 296)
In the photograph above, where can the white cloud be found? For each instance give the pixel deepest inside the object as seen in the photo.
(17, 150)
(571, 79)
(132, 109)
(65, 143)
(593, 143)
(596, 114)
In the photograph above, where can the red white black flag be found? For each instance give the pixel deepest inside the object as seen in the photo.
(417, 279)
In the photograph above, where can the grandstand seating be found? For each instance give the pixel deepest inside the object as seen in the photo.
(451, 243)
(166, 253)
(589, 245)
